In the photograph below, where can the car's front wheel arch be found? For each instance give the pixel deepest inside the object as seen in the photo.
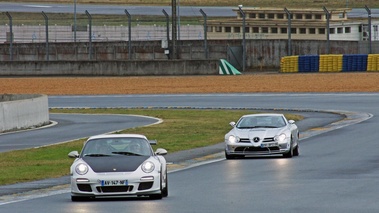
(289, 154)
(165, 189)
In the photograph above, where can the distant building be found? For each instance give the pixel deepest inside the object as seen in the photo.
(306, 24)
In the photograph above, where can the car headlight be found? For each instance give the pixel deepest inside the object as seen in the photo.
(148, 166)
(280, 138)
(81, 169)
(233, 139)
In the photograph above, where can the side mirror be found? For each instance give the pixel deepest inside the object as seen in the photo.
(291, 121)
(161, 151)
(232, 123)
(73, 154)
(153, 142)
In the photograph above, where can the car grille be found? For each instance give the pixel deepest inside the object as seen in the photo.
(84, 187)
(247, 140)
(145, 185)
(108, 189)
(255, 149)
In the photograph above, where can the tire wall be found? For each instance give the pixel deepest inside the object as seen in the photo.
(330, 63)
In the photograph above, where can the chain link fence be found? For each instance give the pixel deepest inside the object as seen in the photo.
(37, 34)
(140, 37)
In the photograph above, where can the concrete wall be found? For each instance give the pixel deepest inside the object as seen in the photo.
(148, 56)
(110, 68)
(23, 111)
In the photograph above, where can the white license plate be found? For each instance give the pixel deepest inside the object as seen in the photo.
(114, 183)
(263, 145)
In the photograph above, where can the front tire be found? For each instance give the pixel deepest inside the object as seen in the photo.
(165, 189)
(162, 193)
(296, 151)
(289, 154)
(228, 157)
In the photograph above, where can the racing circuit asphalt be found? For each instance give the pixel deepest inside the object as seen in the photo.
(312, 124)
(337, 171)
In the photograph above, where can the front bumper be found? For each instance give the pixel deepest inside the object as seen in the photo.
(136, 185)
(248, 149)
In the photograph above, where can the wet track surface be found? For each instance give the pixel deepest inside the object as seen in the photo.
(337, 171)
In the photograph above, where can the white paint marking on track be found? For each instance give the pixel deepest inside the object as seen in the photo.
(216, 94)
(38, 6)
(8, 199)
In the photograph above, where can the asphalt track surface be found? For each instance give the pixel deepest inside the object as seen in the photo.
(337, 170)
(81, 126)
(342, 173)
(78, 125)
(94, 124)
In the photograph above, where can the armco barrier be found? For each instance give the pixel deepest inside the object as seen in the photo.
(23, 111)
(330, 63)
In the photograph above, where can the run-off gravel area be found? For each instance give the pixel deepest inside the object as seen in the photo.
(257, 82)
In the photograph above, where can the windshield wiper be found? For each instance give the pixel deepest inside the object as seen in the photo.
(96, 155)
(253, 127)
(126, 153)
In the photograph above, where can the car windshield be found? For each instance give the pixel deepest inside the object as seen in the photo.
(260, 121)
(116, 146)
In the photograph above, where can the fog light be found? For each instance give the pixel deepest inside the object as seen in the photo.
(147, 178)
(82, 180)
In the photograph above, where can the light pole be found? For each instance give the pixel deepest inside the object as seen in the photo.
(205, 33)
(369, 27)
(174, 30)
(178, 19)
(75, 21)
(327, 14)
(243, 37)
(289, 28)
(129, 34)
(11, 36)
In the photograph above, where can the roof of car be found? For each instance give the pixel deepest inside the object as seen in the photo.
(117, 136)
(263, 114)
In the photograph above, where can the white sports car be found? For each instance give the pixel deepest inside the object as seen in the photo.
(262, 134)
(118, 165)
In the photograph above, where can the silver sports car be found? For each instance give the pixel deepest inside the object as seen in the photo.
(262, 134)
(118, 165)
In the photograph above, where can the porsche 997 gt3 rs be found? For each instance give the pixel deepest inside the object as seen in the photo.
(117, 165)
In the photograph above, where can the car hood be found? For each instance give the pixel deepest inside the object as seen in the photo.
(115, 163)
(256, 132)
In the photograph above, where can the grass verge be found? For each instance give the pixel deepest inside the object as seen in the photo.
(182, 129)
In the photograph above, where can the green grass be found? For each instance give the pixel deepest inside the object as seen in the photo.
(182, 129)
